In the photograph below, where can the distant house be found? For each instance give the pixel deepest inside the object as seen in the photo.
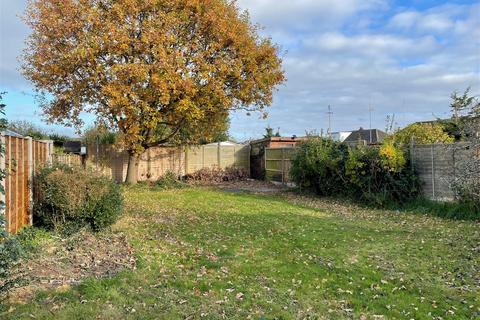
(366, 136)
(341, 135)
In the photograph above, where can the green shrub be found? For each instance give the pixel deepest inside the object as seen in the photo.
(68, 199)
(319, 165)
(10, 253)
(379, 176)
(468, 195)
(373, 175)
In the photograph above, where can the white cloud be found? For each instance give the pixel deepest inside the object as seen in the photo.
(435, 22)
(292, 16)
(376, 45)
(405, 19)
(407, 66)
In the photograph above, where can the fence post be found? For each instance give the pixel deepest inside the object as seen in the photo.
(283, 165)
(235, 156)
(433, 172)
(219, 156)
(3, 167)
(30, 179)
(412, 154)
(265, 163)
(48, 152)
(186, 159)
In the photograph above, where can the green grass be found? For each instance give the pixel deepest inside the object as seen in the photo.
(209, 254)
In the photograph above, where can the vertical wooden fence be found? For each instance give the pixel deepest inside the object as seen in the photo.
(69, 159)
(278, 162)
(23, 157)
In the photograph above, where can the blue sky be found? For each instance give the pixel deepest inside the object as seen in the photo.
(400, 57)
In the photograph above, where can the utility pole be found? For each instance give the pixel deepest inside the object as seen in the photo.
(370, 110)
(330, 114)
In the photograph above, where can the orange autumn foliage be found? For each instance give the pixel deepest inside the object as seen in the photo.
(159, 71)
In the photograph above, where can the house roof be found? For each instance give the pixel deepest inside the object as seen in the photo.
(368, 135)
(279, 139)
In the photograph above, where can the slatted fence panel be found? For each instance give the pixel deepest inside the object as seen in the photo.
(22, 157)
(72, 160)
(278, 162)
(40, 155)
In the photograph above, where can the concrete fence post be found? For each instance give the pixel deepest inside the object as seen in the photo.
(3, 167)
(433, 172)
(234, 156)
(219, 155)
(30, 178)
(186, 160)
(412, 154)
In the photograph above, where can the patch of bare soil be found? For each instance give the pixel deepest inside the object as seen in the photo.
(62, 263)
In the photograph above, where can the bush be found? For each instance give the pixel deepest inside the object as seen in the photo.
(380, 176)
(319, 165)
(217, 175)
(373, 175)
(468, 195)
(423, 133)
(68, 199)
(10, 253)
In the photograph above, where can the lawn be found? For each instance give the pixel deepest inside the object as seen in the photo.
(213, 254)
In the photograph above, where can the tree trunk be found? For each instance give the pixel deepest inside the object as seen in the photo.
(132, 169)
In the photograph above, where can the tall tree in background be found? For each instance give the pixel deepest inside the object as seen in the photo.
(27, 129)
(464, 107)
(466, 182)
(158, 71)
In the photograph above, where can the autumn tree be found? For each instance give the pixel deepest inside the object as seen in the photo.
(157, 71)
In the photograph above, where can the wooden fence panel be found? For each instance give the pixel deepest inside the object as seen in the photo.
(72, 160)
(278, 162)
(22, 157)
(40, 155)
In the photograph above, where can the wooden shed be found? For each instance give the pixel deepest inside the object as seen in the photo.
(257, 153)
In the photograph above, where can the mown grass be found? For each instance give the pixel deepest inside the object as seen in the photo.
(205, 253)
